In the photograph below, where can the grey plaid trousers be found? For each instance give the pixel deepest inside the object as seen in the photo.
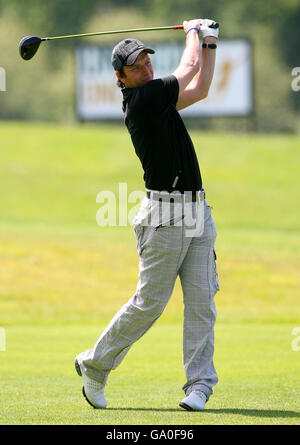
(166, 253)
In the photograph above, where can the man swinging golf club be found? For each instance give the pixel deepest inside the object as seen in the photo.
(167, 247)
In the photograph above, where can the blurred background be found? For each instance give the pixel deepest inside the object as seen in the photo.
(62, 277)
(272, 27)
(53, 166)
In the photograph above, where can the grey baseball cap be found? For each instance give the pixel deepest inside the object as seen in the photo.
(127, 51)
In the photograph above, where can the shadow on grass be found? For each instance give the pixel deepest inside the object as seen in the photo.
(238, 411)
(255, 412)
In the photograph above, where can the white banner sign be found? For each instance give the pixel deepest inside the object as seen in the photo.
(98, 96)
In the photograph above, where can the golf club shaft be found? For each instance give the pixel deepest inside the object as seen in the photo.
(89, 34)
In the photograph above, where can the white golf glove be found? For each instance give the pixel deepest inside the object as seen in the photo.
(206, 30)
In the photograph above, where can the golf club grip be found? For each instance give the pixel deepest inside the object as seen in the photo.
(214, 26)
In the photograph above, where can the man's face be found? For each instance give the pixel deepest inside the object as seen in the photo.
(138, 74)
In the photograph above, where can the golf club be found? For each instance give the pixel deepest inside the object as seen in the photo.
(30, 44)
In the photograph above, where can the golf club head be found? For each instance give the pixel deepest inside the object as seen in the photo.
(29, 46)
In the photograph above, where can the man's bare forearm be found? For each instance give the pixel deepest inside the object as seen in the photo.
(195, 87)
(190, 61)
(190, 58)
(202, 80)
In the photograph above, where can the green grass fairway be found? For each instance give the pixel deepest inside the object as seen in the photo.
(63, 277)
(259, 378)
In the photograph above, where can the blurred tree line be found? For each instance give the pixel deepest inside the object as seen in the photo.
(44, 88)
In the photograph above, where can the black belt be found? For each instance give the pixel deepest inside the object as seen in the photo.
(176, 197)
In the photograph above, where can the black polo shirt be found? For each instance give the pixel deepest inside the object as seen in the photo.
(160, 138)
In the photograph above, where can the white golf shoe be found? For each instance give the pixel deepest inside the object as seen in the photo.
(92, 390)
(194, 402)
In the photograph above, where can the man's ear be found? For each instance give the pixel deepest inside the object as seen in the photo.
(119, 76)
